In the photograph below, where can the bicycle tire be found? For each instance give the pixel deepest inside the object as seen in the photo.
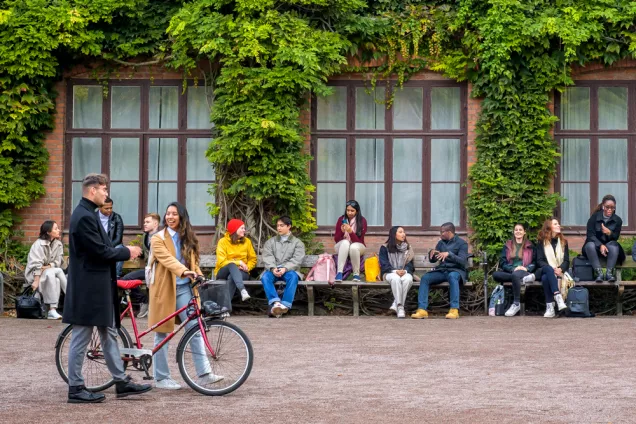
(94, 381)
(217, 332)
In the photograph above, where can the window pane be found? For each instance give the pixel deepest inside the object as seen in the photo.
(619, 190)
(87, 156)
(444, 204)
(407, 159)
(407, 204)
(612, 108)
(76, 191)
(164, 107)
(332, 159)
(160, 195)
(125, 107)
(371, 195)
(370, 159)
(575, 159)
(330, 202)
(408, 108)
(369, 114)
(197, 197)
(612, 159)
(332, 110)
(87, 106)
(199, 167)
(575, 108)
(126, 201)
(576, 208)
(124, 159)
(445, 160)
(445, 108)
(198, 108)
(163, 158)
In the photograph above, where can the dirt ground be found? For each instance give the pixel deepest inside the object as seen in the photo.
(365, 370)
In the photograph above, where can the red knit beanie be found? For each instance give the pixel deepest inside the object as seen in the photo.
(234, 225)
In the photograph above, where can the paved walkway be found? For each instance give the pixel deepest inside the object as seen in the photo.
(365, 370)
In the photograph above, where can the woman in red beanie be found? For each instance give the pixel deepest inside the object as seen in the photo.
(235, 258)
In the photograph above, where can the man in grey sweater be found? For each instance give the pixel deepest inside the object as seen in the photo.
(282, 256)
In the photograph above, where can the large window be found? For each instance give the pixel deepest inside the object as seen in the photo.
(405, 164)
(596, 134)
(149, 138)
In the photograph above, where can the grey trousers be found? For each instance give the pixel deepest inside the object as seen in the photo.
(82, 336)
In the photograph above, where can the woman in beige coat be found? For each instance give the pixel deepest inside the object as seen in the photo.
(176, 250)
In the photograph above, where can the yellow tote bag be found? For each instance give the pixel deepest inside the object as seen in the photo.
(372, 269)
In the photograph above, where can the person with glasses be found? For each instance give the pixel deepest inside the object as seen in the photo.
(603, 231)
(350, 230)
(452, 254)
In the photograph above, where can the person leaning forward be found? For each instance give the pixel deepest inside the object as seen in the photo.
(91, 294)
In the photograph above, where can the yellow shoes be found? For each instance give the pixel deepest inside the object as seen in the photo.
(419, 314)
(452, 314)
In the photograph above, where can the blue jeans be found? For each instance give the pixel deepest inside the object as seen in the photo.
(438, 277)
(120, 265)
(550, 283)
(161, 370)
(291, 282)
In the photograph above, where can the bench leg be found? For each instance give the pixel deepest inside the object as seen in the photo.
(310, 301)
(356, 301)
(522, 300)
(619, 300)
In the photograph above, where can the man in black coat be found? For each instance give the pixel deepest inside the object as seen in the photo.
(91, 294)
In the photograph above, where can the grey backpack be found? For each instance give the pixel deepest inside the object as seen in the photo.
(578, 302)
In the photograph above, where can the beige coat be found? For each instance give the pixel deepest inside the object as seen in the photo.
(163, 293)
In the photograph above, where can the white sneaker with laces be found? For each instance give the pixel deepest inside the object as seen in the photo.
(168, 384)
(210, 378)
(53, 314)
(284, 309)
(394, 307)
(400, 312)
(560, 302)
(277, 309)
(244, 295)
(513, 310)
(528, 278)
(549, 310)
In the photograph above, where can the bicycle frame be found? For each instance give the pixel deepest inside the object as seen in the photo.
(139, 336)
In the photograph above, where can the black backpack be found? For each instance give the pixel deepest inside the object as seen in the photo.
(578, 303)
(582, 269)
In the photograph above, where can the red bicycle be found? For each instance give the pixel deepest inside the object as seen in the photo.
(227, 349)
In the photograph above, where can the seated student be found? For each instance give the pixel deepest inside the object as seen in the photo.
(517, 265)
(396, 264)
(151, 226)
(350, 230)
(282, 257)
(43, 271)
(235, 258)
(553, 257)
(113, 226)
(603, 231)
(452, 253)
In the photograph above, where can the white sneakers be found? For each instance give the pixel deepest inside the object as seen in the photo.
(53, 314)
(210, 378)
(528, 278)
(549, 310)
(513, 310)
(400, 312)
(394, 307)
(279, 309)
(168, 384)
(560, 302)
(244, 295)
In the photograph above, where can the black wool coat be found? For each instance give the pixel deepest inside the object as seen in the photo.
(91, 292)
(595, 233)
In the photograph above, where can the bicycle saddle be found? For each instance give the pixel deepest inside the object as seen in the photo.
(129, 284)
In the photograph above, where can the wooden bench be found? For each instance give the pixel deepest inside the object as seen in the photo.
(619, 284)
(422, 265)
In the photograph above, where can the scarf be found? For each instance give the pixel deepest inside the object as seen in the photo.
(555, 259)
(398, 259)
(352, 223)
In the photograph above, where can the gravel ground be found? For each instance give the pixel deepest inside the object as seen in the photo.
(365, 370)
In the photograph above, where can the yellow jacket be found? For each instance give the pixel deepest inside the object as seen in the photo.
(228, 253)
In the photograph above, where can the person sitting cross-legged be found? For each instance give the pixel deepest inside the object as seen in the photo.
(452, 253)
(282, 256)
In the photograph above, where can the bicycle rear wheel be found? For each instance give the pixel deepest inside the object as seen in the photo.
(94, 370)
(233, 358)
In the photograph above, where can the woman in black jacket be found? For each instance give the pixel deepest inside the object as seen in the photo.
(396, 264)
(603, 231)
(553, 257)
(517, 265)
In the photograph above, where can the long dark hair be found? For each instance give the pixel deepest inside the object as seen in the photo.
(355, 205)
(605, 199)
(45, 229)
(391, 243)
(545, 235)
(189, 241)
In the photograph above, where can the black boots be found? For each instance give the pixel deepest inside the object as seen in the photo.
(79, 394)
(127, 388)
(599, 275)
(610, 275)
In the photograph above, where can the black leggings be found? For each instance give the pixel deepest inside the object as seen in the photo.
(514, 277)
(234, 277)
(592, 252)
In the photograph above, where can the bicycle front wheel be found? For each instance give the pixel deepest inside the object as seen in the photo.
(94, 369)
(223, 372)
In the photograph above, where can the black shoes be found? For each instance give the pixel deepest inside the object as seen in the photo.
(79, 394)
(128, 388)
(610, 275)
(599, 275)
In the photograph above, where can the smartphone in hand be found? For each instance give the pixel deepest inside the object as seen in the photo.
(345, 221)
